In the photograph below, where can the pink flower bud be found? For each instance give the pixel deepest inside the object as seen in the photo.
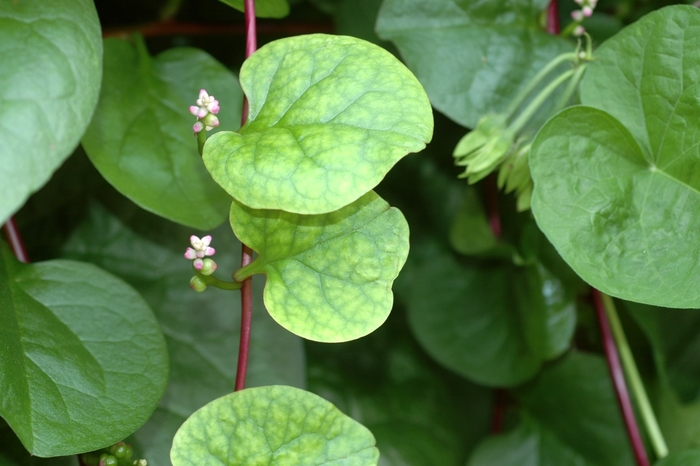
(579, 30)
(577, 15)
(587, 11)
(190, 254)
(198, 264)
(197, 127)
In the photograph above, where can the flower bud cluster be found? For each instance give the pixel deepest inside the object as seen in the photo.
(587, 7)
(118, 454)
(206, 109)
(202, 264)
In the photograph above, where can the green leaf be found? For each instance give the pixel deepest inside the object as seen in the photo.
(51, 55)
(574, 399)
(84, 362)
(263, 8)
(471, 59)
(494, 323)
(272, 425)
(624, 225)
(141, 140)
(329, 117)
(684, 458)
(679, 423)
(675, 336)
(375, 379)
(328, 276)
(529, 444)
(615, 188)
(471, 233)
(201, 329)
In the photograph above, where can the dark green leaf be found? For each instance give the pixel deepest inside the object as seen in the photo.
(329, 117)
(493, 323)
(680, 424)
(574, 399)
(684, 458)
(201, 329)
(51, 55)
(84, 362)
(472, 59)
(616, 190)
(272, 425)
(263, 8)
(329, 276)
(141, 139)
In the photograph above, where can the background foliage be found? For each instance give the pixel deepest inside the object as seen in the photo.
(491, 353)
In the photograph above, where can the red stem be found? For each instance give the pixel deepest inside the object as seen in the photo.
(15, 240)
(247, 254)
(499, 411)
(552, 18)
(618, 379)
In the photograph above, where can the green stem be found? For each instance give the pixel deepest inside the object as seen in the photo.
(211, 280)
(657, 440)
(535, 104)
(570, 88)
(201, 139)
(535, 81)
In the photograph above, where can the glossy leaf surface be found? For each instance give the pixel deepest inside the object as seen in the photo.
(472, 57)
(329, 276)
(492, 323)
(616, 190)
(272, 425)
(201, 329)
(84, 362)
(329, 116)
(141, 140)
(51, 55)
(263, 8)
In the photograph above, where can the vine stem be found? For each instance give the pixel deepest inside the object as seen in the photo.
(618, 379)
(552, 18)
(15, 240)
(640, 395)
(247, 253)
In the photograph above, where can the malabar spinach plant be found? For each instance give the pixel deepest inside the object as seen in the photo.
(561, 175)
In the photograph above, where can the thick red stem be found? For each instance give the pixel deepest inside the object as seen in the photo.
(618, 379)
(15, 240)
(247, 254)
(552, 18)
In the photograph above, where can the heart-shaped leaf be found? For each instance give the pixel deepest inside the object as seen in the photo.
(201, 329)
(51, 55)
(140, 138)
(615, 187)
(83, 363)
(329, 116)
(329, 276)
(272, 425)
(263, 8)
(472, 57)
(492, 323)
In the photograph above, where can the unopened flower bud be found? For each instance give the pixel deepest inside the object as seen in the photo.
(208, 267)
(579, 31)
(197, 127)
(197, 284)
(577, 15)
(210, 121)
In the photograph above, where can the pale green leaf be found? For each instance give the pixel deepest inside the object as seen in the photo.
(276, 425)
(329, 117)
(472, 56)
(51, 55)
(83, 363)
(329, 276)
(263, 8)
(141, 139)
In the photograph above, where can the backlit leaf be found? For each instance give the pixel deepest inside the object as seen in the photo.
(329, 116)
(272, 425)
(329, 276)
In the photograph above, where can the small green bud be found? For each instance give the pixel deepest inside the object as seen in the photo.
(197, 284)
(108, 460)
(208, 267)
(121, 450)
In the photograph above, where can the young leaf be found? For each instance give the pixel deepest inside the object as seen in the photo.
(201, 329)
(465, 82)
(329, 116)
(84, 362)
(616, 190)
(140, 138)
(328, 276)
(263, 8)
(272, 425)
(493, 323)
(51, 55)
